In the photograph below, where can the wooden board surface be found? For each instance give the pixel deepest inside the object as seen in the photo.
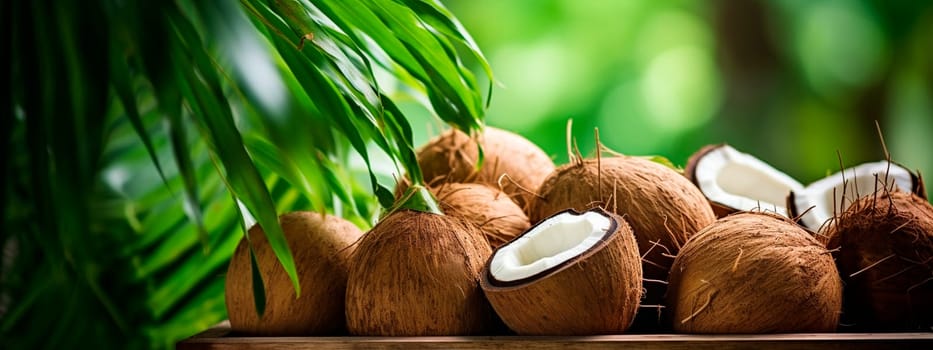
(219, 337)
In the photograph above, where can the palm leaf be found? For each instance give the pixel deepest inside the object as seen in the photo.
(141, 128)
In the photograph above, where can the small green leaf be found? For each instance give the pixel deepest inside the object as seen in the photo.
(401, 132)
(120, 78)
(284, 165)
(335, 183)
(181, 150)
(441, 19)
(417, 198)
(355, 17)
(322, 90)
(663, 161)
(259, 293)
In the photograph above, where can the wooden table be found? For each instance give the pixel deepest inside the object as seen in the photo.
(219, 337)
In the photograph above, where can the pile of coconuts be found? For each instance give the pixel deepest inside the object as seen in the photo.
(608, 244)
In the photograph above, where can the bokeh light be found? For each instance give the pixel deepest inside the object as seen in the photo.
(798, 84)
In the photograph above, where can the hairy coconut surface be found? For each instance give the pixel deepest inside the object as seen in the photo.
(663, 207)
(814, 206)
(595, 292)
(321, 246)
(500, 218)
(417, 274)
(884, 249)
(754, 273)
(452, 157)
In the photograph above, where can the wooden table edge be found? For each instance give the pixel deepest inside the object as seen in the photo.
(216, 337)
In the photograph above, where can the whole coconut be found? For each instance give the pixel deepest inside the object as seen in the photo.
(754, 273)
(417, 274)
(663, 207)
(493, 211)
(452, 157)
(321, 246)
(883, 245)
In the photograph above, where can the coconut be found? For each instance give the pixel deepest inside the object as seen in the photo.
(754, 273)
(883, 246)
(417, 274)
(571, 274)
(495, 213)
(663, 207)
(734, 181)
(321, 246)
(452, 157)
(817, 203)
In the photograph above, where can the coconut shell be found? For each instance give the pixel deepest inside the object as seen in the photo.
(754, 273)
(452, 156)
(596, 292)
(417, 274)
(321, 246)
(883, 246)
(493, 211)
(663, 207)
(690, 171)
(797, 211)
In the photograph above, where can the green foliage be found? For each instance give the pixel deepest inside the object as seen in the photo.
(143, 137)
(146, 136)
(789, 81)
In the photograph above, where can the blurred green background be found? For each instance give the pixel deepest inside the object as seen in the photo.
(791, 82)
(100, 251)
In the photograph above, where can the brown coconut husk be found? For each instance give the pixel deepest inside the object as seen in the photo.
(321, 246)
(663, 208)
(493, 211)
(511, 162)
(883, 246)
(417, 274)
(596, 292)
(754, 273)
(917, 188)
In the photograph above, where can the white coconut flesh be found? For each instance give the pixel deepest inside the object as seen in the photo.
(743, 182)
(825, 196)
(551, 243)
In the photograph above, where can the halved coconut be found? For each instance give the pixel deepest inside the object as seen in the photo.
(734, 181)
(571, 274)
(662, 206)
(830, 196)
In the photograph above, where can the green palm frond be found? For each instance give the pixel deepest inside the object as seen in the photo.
(141, 131)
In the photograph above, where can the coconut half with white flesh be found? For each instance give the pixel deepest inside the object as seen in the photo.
(734, 181)
(832, 195)
(571, 274)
